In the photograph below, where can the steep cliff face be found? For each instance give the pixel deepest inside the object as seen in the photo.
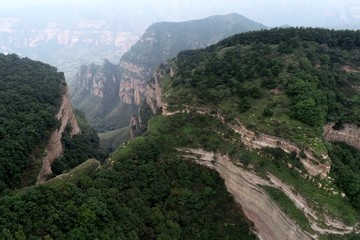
(133, 82)
(99, 81)
(54, 148)
(153, 93)
(349, 134)
(271, 223)
(84, 77)
(104, 97)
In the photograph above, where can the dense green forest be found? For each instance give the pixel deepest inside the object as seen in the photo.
(346, 170)
(30, 96)
(139, 194)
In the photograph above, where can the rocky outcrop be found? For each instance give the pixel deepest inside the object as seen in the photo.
(54, 147)
(133, 82)
(130, 91)
(84, 77)
(349, 134)
(348, 68)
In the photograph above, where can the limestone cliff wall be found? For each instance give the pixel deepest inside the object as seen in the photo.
(136, 87)
(54, 147)
(349, 134)
(270, 222)
(153, 93)
(133, 82)
(100, 81)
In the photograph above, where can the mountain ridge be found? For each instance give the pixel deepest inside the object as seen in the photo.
(160, 42)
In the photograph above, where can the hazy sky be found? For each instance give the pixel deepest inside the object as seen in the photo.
(268, 12)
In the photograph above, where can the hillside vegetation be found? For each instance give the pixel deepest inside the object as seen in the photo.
(282, 82)
(287, 83)
(30, 96)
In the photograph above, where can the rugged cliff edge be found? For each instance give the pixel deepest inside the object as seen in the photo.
(54, 148)
(349, 134)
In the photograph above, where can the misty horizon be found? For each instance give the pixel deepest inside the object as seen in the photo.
(330, 14)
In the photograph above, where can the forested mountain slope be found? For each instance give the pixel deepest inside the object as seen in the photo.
(261, 101)
(290, 182)
(34, 112)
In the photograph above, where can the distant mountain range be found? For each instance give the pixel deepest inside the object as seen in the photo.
(67, 38)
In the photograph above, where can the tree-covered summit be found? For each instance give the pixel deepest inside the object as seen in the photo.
(315, 72)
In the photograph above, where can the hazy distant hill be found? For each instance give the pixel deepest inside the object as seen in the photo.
(37, 124)
(67, 37)
(164, 40)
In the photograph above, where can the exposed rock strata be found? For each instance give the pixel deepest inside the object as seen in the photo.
(256, 141)
(269, 220)
(349, 134)
(54, 148)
